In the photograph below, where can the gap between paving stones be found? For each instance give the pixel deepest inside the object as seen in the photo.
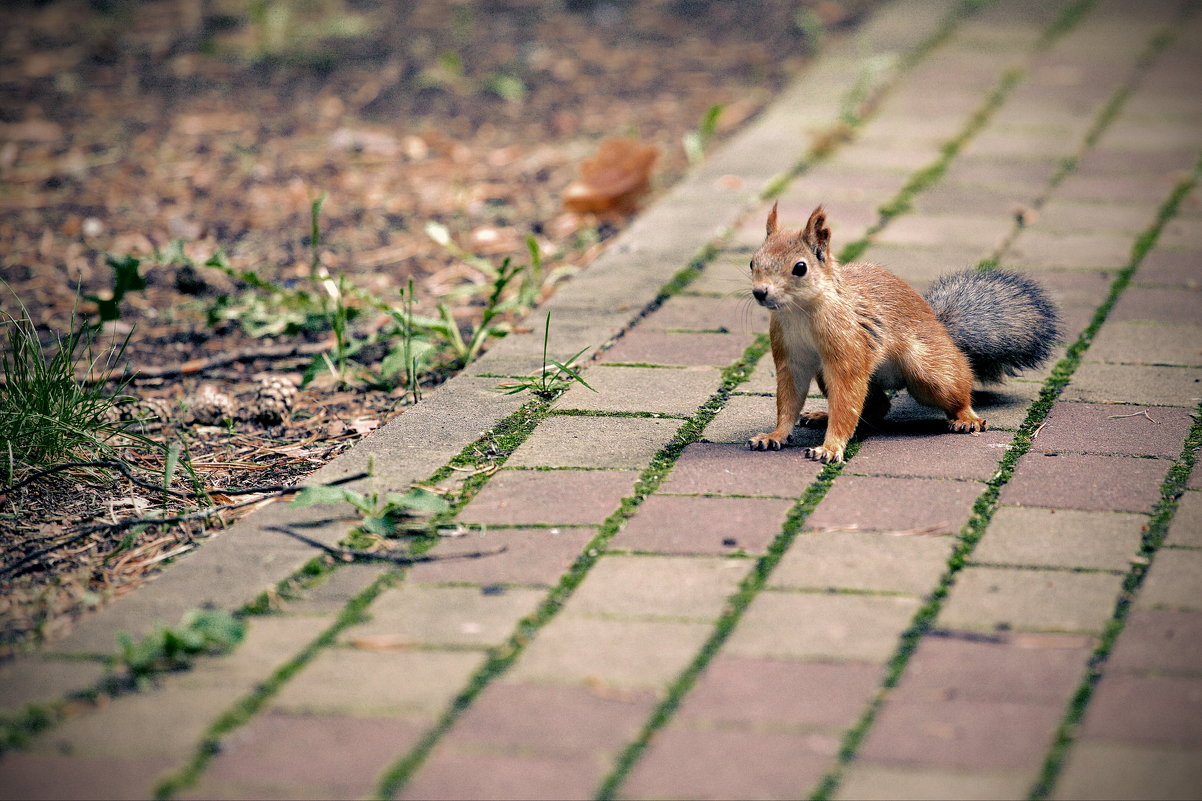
(847, 107)
(986, 505)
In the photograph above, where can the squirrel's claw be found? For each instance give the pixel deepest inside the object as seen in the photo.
(825, 455)
(767, 442)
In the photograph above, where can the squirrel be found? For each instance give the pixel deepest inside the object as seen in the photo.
(860, 330)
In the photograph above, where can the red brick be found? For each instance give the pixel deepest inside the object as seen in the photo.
(1071, 481)
(939, 455)
(1148, 709)
(776, 692)
(1159, 640)
(530, 556)
(895, 504)
(688, 525)
(453, 774)
(713, 468)
(554, 497)
(962, 733)
(28, 776)
(729, 763)
(1076, 427)
(1176, 267)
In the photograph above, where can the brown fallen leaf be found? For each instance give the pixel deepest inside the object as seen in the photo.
(612, 180)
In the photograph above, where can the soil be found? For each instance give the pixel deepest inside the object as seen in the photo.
(128, 127)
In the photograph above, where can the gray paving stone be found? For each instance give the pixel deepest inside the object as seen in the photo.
(1023, 667)
(1171, 267)
(688, 349)
(1000, 599)
(706, 468)
(983, 233)
(852, 560)
(747, 415)
(333, 590)
(627, 654)
(350, 682)
(415, 615)
(866, 780)
(1159, 641)
(1154, 710)
(512, 556)
(1186, 528)
(679, 587)
(895, 504)
(763, 378)
(702, 525)
(779, 693)
(1173, 581)
(826, 626)
(919, 266)
(594, 442)
(1004, 406)
(1059, 215)
(1066, 251)
(1033, 536)
(643, 389)
(1165, 305)
(1089, 482)
(555, 497)
(1128, 430)
(938, 455)
(1109, 770)
(724, 763)
(736, 315)
(1146, 343)
(725, 276)
(38, 680)
(453, 774)
(27, 776)
(961, 733)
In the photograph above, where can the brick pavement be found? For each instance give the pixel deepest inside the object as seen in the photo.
(1001, 615)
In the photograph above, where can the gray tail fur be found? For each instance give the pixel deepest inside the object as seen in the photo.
(1002, 321)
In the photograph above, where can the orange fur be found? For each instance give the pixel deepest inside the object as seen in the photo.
(858, 329)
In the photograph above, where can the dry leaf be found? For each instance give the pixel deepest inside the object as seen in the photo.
(613, 179)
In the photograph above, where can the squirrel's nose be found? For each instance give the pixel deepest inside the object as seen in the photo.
(759, 293)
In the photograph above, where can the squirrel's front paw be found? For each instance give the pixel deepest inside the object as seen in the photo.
(768, 442)
(812, 418)
(825, 455)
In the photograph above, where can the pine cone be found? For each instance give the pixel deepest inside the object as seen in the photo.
(146, 411)
(273, 400)
(211, 407)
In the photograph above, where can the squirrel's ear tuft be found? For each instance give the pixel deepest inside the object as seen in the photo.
(816, 231)
(771, 227)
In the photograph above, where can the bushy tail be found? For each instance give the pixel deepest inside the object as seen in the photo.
(1003, 321)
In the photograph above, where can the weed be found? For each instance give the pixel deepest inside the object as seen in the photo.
(696, 140)
(553, 378)
(126, 278)
(380, 516)
(173, 648)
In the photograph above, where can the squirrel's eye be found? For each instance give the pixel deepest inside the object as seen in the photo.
(800, 268)
(751, 264)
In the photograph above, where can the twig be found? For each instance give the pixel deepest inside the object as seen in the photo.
(1140, 413)
(249, 355)
(349, 554)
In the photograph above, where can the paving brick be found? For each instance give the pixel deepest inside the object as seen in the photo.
(928, 230)
(857, 560)
(1148, 343)
(961, 732)
(1182, 232)
(530, 556)
(454, 775)
(726, 275)
(555, 497)
(1155, 710)
(747, 415)
(1122, 383)
(1059, 215)
(1172, 267)
(838, 626)
(1103, 770)
(723, 763)
(1090, 482)
(692, 313)
(269, 641)
(1186, 527)
(1025, 667)
(411, 615)
(1005, 406)
(733, 469)
(643, 389)
(1173, 581)
(335, 589)
(682, 587)
(294, 756)
(1159, 641)
(777, 693)
(37, 680)
(594, 442)
(630, 654)
(1129, 430)
(1033, 536)
(919, 266)
(26, 776)
(550, 720)
(938, 455)
(349, 682)
(1066, 251)
(701, 525)
(1142, 196)
(692, 349)
(895, 504)
(993, 599)
(763, 378)
(865, 780)
(1174, 305)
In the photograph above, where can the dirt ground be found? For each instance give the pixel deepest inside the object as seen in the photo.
(173, 130)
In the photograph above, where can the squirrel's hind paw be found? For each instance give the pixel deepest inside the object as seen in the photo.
(968, 426)
(768, 442)
(825, 455)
